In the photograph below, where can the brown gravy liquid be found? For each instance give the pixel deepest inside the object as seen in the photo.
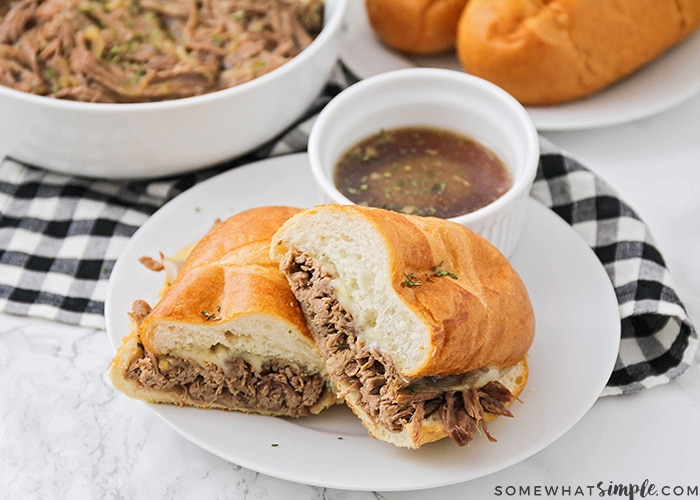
(422, 171)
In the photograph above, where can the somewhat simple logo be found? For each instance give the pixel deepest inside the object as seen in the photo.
(601, 489)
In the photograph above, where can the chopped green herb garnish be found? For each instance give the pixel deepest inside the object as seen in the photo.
(211, 316)
(438, 188)
(410, 280)
(439, 271)
(140, 73)
(370, 153)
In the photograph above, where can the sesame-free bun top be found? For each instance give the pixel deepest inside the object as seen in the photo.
(229, 275)
(434, 296)
(549, 52)
(415, 26)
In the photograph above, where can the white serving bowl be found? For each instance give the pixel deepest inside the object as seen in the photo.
(435, 98)
(146, 140)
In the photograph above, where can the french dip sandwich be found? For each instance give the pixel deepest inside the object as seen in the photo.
(227, 333)
(424, 326)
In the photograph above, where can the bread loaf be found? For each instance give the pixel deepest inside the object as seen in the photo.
(424, 326)
(548, 52)
(415, 26)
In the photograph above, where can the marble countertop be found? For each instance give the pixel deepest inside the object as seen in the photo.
(66, 433)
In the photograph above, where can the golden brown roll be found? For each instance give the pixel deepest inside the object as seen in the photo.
(416, 26)
(548, 52)
(424, 326)
(227, 333)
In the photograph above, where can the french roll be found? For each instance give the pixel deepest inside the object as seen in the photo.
(424, 327)
(549, 52)
(415, 26)
(227, 332)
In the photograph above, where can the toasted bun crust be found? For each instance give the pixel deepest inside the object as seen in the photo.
(416, 26)
(442, 326)
(551, 52)
(229, 298)
(228, 273)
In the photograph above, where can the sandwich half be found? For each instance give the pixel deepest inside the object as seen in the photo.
(424, 326)
(227, 332)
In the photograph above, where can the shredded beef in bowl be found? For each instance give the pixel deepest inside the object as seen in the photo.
(127, 51)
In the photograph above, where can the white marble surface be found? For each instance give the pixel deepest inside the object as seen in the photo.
(66, 433)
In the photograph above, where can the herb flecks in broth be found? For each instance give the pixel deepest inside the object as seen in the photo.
(422, 171)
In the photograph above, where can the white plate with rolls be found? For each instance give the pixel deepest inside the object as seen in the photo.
(660, 85)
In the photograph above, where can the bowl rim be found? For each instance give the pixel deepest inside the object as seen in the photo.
(521, 117)
(333, 24)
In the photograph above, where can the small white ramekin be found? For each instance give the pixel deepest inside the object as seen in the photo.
(435, 98)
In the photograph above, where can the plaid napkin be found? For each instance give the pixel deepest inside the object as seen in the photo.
(658, 340)
(60, 237)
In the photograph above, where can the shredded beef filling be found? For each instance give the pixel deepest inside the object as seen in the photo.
(385, 395)
(147, 50)
(277, 388)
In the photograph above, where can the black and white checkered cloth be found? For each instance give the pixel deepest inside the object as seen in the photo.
(60, 237)
(658, 339)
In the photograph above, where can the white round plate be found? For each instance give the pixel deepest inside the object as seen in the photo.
(660, 85)
(577, 339)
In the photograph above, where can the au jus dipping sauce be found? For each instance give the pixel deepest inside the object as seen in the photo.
(423, 171)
